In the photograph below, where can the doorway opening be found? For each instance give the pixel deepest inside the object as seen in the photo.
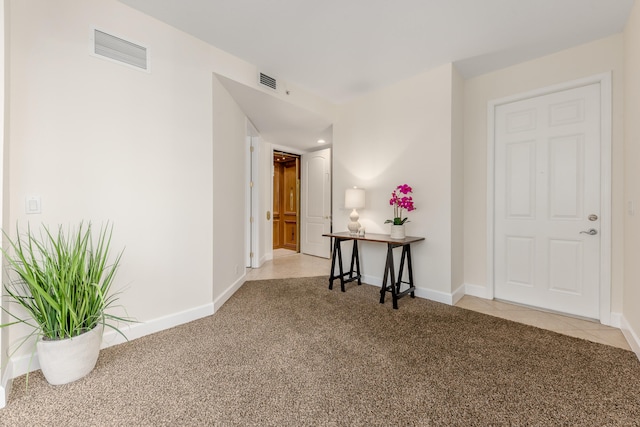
(286, 203)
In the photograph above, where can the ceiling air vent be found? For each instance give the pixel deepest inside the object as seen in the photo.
(267, 81)
(120, 50)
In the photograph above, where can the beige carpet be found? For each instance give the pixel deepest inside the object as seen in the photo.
(292, 353)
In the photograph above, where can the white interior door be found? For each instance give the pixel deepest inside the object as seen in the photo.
(316, 203)
(547, 197)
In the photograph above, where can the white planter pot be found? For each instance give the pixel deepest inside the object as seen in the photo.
(68, 360)
(397, 232)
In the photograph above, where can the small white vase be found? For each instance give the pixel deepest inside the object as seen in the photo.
(68, 360)
(397, 232)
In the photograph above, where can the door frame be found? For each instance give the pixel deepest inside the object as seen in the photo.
(604, 80)
(297, 152)
(298, 164)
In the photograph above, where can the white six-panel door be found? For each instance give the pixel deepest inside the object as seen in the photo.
(316, 203)
(547, 199)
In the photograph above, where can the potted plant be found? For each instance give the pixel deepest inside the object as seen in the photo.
(63, 282)
(400, 199)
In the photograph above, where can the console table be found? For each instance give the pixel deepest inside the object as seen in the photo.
(389, 283)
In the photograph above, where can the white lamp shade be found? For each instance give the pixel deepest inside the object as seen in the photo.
(354, 198)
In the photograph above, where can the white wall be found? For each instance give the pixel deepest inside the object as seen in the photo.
(583, 61)
(457, 184)
(229, 187)
(99, 141)
(4, 185)
(160, 154)
(156, 153)
(400, 135)
(631, 321)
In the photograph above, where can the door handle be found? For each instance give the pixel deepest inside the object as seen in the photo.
(590, 232)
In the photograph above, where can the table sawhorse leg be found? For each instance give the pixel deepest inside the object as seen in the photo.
(355, 261)
(393, 286)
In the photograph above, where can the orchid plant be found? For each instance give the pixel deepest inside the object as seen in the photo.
(400, 200)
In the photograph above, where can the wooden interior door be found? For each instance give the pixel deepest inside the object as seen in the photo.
(286, 194)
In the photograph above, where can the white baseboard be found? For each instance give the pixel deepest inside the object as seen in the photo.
(437, 296)
(218, 302)
(476, 291)
(430, 294)
(458, 294)
(631, 336)
(20, 365)
(615, 320)
(138, 330)
(169, 321)
(16, 366)
(369, 280)
(5, 385)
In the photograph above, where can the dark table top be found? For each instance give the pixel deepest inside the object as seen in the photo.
(372, 237)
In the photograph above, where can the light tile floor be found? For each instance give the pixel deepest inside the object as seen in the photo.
(285, 264)
(567, 325)
(290, 264)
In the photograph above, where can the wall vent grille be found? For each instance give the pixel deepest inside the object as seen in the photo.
(120, 50)
(268, 81)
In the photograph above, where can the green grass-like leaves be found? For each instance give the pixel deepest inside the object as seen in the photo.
(63, 280)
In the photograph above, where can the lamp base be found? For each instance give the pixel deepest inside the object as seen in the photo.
(354, 228)
(354, 225)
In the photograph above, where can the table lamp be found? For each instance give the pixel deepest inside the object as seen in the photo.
(354, 199)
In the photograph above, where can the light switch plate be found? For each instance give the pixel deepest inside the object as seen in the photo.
(32, 205)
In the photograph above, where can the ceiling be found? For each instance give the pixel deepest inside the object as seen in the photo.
(278, 121)
(341, 49)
